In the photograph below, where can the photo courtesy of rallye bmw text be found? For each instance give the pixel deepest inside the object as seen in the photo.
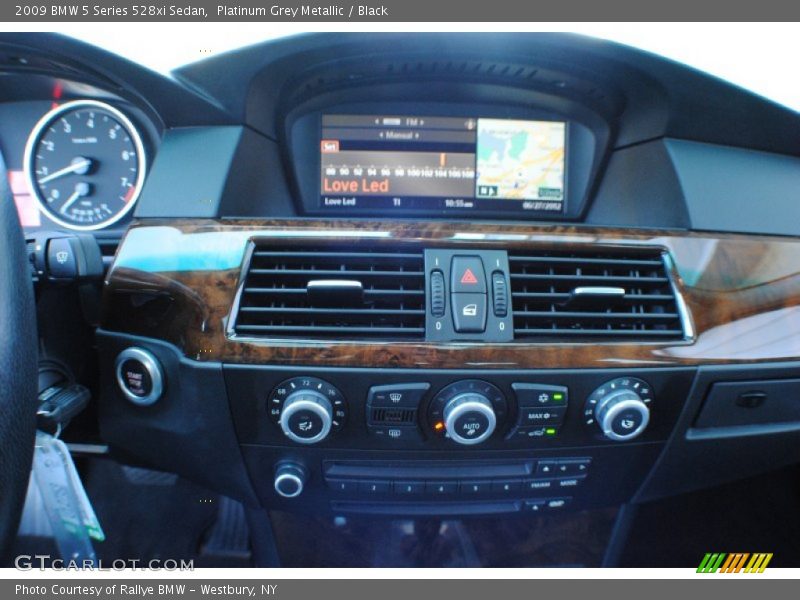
(397, 300)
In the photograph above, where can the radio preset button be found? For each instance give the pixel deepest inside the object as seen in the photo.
(343, 485)
(441, 488)
(375, 487)
(506, 486)
(474, 487)
(408, 487)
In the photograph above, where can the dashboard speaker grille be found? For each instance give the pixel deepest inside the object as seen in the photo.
(606, 294)
(333, 293)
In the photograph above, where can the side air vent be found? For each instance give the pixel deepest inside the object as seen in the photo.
(595, 295)
(342, 294)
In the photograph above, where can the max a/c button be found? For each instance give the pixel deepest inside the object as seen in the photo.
(532, 416)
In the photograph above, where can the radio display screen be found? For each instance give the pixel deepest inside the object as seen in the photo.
(416, 163)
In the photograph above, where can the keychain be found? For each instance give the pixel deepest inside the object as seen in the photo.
(69, 511)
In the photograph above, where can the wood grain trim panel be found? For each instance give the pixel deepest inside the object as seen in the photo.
(176, 281)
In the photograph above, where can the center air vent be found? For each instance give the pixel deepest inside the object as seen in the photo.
(607, 294)
(344, 294)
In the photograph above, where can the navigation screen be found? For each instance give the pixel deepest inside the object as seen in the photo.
(439, 163)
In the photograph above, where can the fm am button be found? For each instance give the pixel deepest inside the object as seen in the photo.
(467, 275)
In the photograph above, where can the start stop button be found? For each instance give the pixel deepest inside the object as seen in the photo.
(139, 376)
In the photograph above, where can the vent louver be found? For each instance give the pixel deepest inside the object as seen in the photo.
(605, 295)
(347, 294)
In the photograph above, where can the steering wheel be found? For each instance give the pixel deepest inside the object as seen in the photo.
(18, 367)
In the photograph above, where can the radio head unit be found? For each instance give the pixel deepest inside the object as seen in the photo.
(440, 159)
(428, 163)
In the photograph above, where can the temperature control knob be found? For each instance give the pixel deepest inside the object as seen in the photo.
(620, 408)
(307, 416)
(307, 409)
(467, 412)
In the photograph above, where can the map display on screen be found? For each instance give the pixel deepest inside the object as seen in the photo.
(520, 160)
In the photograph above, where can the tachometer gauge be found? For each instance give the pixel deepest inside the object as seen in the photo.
(85, 164)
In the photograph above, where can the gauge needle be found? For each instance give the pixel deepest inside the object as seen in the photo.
(79, 165)
(81, 190)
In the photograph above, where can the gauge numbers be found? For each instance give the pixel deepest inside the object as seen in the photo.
(85, 164)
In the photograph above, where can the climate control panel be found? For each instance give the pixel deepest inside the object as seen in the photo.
(463, 413)
(460, 442)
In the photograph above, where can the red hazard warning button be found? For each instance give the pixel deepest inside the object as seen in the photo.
(467, 275)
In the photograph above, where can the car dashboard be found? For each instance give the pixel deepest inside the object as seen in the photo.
(422, 275)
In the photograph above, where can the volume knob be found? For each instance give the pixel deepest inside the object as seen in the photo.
(290, 479)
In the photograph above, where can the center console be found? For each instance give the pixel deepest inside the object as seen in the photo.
(448, 442)
(447, 368)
